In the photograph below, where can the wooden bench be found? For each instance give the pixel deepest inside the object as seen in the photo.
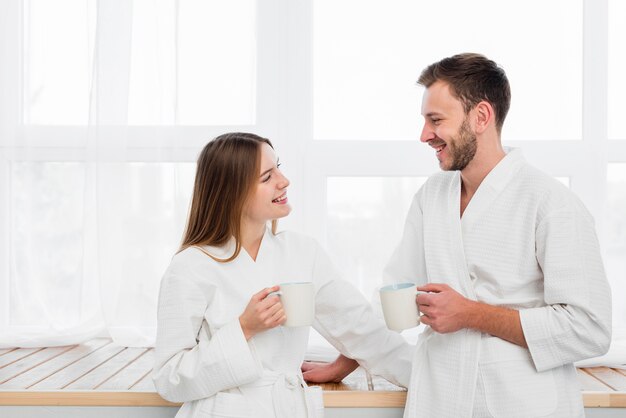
(101, 373)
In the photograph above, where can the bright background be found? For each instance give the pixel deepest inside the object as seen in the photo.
(105, 106)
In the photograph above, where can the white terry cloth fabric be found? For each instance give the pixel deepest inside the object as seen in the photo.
(615, 358)
(524, 242)
(203, 359)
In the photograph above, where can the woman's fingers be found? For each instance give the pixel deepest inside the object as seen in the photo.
(271, 311)
(264, 292)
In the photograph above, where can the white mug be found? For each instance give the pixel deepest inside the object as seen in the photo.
(298, 301)
(399, 306)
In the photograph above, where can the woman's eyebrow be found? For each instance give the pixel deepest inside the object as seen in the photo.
(266, 171)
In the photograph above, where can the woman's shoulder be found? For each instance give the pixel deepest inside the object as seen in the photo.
(193, 261)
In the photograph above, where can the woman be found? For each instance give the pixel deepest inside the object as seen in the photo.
(220, 348)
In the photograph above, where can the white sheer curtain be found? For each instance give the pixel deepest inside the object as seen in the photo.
(91, 208)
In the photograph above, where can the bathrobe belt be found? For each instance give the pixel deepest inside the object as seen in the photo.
(283, 385)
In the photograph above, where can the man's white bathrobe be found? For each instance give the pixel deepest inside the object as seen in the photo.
(524, 242)
(203, 359)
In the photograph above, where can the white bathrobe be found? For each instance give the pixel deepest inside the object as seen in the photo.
(203, 359)
(524, 242)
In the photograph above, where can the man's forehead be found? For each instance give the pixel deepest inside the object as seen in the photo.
(438, 99)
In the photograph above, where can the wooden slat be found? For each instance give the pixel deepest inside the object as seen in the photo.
(609, 377)
(106, 370)
(131, 374)
(589, 383)
(30, 362)
(16, 355)
(604, 399)
(5, 350)
(123, 378)
(361, 399)
(357, 399)
(83, 398)
(78, 369)
(145, 384)
(52, 366)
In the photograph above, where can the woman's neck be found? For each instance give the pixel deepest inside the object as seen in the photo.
(251, 237)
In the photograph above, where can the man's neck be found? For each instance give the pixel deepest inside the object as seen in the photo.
(486, 158)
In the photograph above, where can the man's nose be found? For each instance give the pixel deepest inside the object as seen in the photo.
(427, 134)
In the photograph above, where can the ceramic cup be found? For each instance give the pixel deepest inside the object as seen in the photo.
(298, 299)
(399, 306)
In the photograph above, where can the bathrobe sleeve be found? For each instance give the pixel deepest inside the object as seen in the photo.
(187, 366)
(407, 262)
(576, 323)
(347, 321)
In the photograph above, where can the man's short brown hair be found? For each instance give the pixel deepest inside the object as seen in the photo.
(472, 78)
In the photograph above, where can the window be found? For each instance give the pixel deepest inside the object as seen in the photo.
(617, 69)
(186, 65)
(365, 221)
(332, 84)
(615, 243)
(367, 56)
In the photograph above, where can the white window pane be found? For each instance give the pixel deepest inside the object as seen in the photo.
(47, 237)
(143, 206)
(615, 244)
(198, 70)
(57, 68)
(617, 69)
(365, 222)
(191, 62)
(368, 55)
(133, 218)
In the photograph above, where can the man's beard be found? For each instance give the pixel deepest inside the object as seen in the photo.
(462, 148)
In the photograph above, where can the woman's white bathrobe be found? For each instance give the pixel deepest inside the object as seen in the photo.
(203, 359)
(524, 242)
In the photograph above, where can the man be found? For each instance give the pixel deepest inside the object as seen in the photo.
(509, 258)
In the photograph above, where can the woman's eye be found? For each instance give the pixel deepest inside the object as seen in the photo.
(266, 179)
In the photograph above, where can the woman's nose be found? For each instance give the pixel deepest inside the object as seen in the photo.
(282, 180)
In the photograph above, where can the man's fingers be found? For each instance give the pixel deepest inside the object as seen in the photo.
(424, 299)
(433, 287)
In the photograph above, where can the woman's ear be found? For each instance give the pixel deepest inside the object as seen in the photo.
(485, 116)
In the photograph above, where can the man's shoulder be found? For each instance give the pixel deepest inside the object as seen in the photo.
(541, 182)
(549, 192)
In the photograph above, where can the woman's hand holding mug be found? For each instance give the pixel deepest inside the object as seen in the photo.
(262, 313)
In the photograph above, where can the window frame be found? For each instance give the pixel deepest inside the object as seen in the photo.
(284, 113)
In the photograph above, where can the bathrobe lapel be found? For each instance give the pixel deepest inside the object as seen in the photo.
(490, 189)
(450, 361)
(447, 361)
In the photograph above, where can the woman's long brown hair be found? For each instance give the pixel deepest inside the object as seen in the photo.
(226, 174)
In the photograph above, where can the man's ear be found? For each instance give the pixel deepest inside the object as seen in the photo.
(485, 116)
